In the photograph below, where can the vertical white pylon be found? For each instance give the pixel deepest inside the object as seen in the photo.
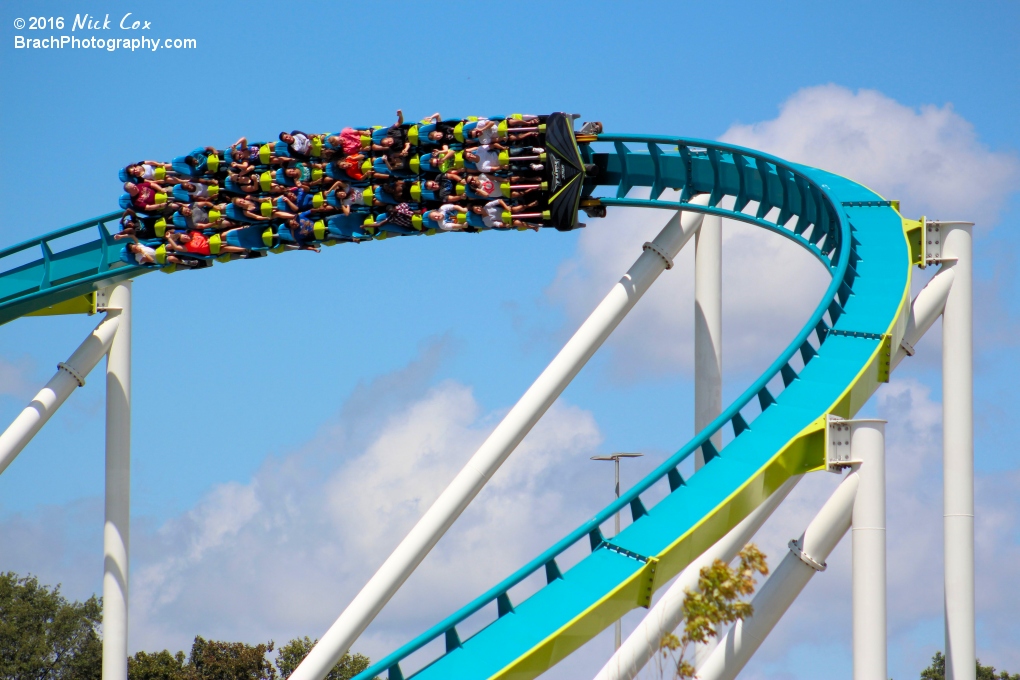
(707, 329)
(118, 488)
(870, 654)
(656, 257)
(958, 451)
(707, 347)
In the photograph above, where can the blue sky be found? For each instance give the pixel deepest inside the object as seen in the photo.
(255, 365)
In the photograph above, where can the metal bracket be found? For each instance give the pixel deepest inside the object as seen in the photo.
(645, 595)
(804, 557)
(74, 374)
(103, 301)
(837, 444)
(932, 240)
(907, 347)
(658, 251)
(885, 358)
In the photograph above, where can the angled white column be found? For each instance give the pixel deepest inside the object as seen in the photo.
(707, 329)
(806, 557)
(958, 451)
(118, 489)
(70, 375)
(656, 257)
(924, 310)
(867, 445)
(666, 615)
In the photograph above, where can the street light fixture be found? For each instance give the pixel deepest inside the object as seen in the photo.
(615, 457)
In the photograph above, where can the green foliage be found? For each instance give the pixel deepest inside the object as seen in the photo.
(292, 653)
(158, 666)
(937, 671)
(214, 660)
(716, 602)
(45, 637)
(209, 660)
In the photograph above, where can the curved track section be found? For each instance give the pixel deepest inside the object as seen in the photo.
(832, 367)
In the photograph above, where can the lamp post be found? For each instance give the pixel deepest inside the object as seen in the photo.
(615, 457)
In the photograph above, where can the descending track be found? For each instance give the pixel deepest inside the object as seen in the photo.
(832, 367)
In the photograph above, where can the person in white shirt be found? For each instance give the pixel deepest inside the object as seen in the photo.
(145, 255)
(199, 189)
(299, 142)
(446, 217)
(485, 157)
(493, 214)
(152, 170)
(487, 131)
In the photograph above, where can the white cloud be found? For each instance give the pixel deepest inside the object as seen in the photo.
(282, 555)
(16, 378)
(930, 158)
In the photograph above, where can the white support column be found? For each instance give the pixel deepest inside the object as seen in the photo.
(667, 613)
(958, 451)
(707, 329)
(118, 489)
(70, 375)
(867, 445)
(806, 557)
(656, 257)
(707, 348)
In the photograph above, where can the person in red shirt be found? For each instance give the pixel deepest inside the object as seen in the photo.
(195, 242)
(143, 196)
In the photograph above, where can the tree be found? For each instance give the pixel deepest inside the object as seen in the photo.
(214, 660)
(294, 652)
(937, 671)
(716, 602)
(43, 636)
(158, 666)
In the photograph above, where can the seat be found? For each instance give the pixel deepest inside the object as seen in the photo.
(253, 238)
(414, 165)
(474, 220)
(348, 227)
(235, 214)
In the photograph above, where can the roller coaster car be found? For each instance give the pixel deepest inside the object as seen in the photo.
(565, 170)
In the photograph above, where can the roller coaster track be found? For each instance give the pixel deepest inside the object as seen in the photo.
(835, 363)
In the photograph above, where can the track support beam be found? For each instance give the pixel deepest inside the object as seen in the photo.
(653, 260)
(870, 646)
(116, 533)
(708, 329)
(925, 308)
(958, 451)
(69, 376)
